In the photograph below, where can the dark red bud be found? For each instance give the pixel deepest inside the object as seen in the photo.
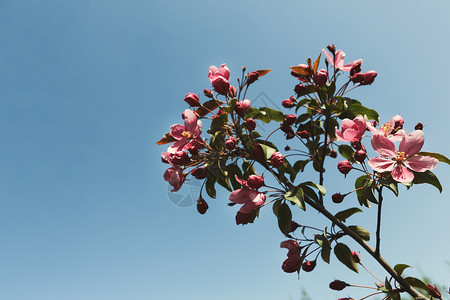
(287, 148)
(192, 99)
(285, 128)
(344, 167)
(356, 145)
(369, 77)
(232, 92)
(356, 257)
(300, 89)
(208, 93)
(258, 152)
(357, 78)
(308, 265)
(338, 285)
(252, 77)
(419, 126)
(289, 120)
(288, 103)
(331, 48)
(230, 143)
(202, 206)
(244, 219)
(333, 154)
(321, 77)
(250, 124)
(200, 173)
(360, 155)
(255, 181)
(277, 159)
(337, 198)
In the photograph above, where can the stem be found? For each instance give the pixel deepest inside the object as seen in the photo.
(380, 200)
(371, 272)
(377, 293)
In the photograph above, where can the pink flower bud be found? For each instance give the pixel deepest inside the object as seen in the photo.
(357, 78)
(344, 167)
(232, 91)
(338, 285)
(321, 77)
(180, 158)
(337, 198)
(369, 77)
(288, 103)
(200, 173)
(360, 155)
(192, 99)
(419, 126)
(252, 77)
(230, 143)
(202, 206)
(289, 120)
(300, 89)
(221, 85)
(255, 181)
(250, 124)
(308, 265)
(277, 159)
(356, 256)
(356, 145)
(398, 122)
(242, 107)
(208, 93)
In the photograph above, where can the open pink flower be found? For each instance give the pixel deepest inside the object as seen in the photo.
(189, 133)
(338, 60)
(250, 198)
(214, 72)
(219, 79)
(294, 261)
(392, 129)
(175, 177)
(399, 162)
(352, 130)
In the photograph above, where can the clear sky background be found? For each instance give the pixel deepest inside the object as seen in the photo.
(87, 87)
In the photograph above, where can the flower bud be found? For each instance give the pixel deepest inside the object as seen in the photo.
(356, 145)
(285, 128)
(303, 134)
(300, 89)
(250, 124)
(230, 143)
(338, 285)
(242, 107)
(369, 77)
(344, 167)
(356, 257)
(357, 78)
(434, 292)
(255, 181)
(277, 159)
(208, 93)
(333, 154)
(192, 99)
(355, 69)
(221, 85)
(232, 91)
(360, 155)
(287, 148)
(337, 198)
(308, 265)
(252, 77)
(202, 206)
(321, 77)
(332, 48)
(290, 135)
(288, 103)
(289, 120)
(200, 173)
(419, 126)
(180, 158)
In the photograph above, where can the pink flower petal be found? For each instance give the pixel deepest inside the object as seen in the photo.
(398, 136)
(339, 59)
(241, 196)
(212, 72)
(339, 135)
(402, 174)
(190, 121)
(198, 129)
(329, 57)
(351, 135)
(380, 164)
(225, 71)
(383, 146)
(412, 143)
(346, 124)
(176, 131)
(360, 124)
(349, 66)
(421, 163)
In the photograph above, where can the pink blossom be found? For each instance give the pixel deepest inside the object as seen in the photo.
(175, 177)
(392, 129)
(400, 162)
(213, 72)
(189, 133)
(294, 261)
(352, 130)
(219, 78)
(277, 159)
(250, 198)
(338, 60)
(242, 107)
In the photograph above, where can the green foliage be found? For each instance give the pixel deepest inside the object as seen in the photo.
(344, 255)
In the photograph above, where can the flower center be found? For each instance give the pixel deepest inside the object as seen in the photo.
(186, 134)
(400, 156)
(387, 128)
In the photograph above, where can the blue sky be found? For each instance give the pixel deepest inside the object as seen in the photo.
(87, 87)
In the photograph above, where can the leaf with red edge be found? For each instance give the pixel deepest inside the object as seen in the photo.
(208, 107)
(316, 64)
(263, 72)
(300, 70)
(167, 138)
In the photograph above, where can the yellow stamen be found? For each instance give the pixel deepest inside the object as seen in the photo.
(400, 156)
(387, 128)
(186, 134)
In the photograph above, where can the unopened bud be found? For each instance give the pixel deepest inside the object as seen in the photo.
(288, 103)
(255, 181)
(230, 143)
(357, 78)
(300, 89)
(356, 145)
(308, 265)
(369, 77)
(287, 148)
(321, 77)
(419, 126)
(202, 206)
(338, 285)
(333, 154)
(208, 93)
(434, 292)
(331, 48)
(250, 124)
(303, 134)
(337, 198)
(277, 159)
(344, 167)
(252, 77)
(180, 158)
(200, 173)
(356, 257)
(360, 155)
(289, 120)
(233, 91)
(192, 99)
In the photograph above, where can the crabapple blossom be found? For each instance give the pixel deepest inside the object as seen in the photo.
(338, 60)
(175, 177)
(250, 198)
(352, 130)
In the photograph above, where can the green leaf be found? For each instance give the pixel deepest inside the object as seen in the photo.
(230, 108)
(296, 196)
(300, 165)
(233, 170)
(268, 151)
(218, 123)
(255, 134)
(427, 177)
(345, 214)
(301, 103)
(438, 156)
(267, 114)
(361, 182)
(363, 233)
(321, 189)
(276, 207)
(347, 152)
(251, 112)
(323, 242)
(248, 169)
(417, 283)
(399, 268)
(309, 192)
(209, 185)
(284, 218)
(390, 183)
(344, 254)
(358, 109)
